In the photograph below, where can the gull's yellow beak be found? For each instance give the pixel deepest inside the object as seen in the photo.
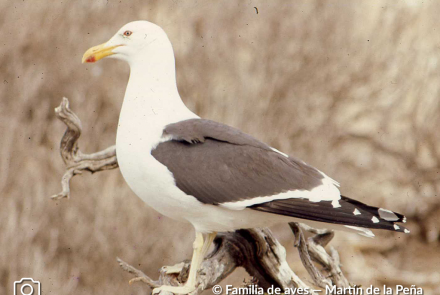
(97, 52)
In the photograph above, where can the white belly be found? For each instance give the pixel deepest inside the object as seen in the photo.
(141, 124)
(152, 182)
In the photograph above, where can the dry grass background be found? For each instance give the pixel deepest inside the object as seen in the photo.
(351, 87)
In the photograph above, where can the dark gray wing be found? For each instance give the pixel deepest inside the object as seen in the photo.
(216, 164)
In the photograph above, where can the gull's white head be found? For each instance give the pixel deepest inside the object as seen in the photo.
(137, 41)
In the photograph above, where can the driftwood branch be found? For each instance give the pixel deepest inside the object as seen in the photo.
(263, 257)
(256, 250)
(312, 249)
(75, 160)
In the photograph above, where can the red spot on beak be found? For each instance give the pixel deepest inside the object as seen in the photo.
(91, 59)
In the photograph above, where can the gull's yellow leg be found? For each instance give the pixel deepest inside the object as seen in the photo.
(196, 260)
(196, 263)
(200, 248)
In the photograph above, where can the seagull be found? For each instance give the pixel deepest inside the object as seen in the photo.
(209, 174)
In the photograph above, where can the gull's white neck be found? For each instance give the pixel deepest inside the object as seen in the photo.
(151, 101)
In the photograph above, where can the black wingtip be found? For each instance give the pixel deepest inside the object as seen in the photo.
(350, 213)
(382, 218)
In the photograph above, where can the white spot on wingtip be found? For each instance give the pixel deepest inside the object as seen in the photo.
(387, 215)
(336, 204)
(396, 227)
(404, 219)
(406, 231)
(356, 212)
(374, 219)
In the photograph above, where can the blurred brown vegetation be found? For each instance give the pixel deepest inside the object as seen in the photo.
(352, 87)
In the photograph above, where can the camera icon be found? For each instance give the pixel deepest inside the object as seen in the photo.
(27, 286)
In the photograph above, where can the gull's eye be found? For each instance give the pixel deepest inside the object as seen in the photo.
(128, 33)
